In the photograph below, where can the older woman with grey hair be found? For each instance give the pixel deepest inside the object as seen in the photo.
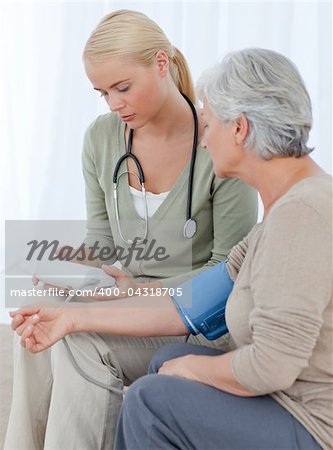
(273, 389)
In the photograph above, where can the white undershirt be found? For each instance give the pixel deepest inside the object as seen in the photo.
(153, 201)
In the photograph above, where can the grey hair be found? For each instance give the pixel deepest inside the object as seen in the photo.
(268, 90)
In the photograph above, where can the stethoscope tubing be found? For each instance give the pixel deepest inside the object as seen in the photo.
(193, 158)
(190, 224)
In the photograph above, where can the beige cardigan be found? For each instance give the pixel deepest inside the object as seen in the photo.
(280, 311)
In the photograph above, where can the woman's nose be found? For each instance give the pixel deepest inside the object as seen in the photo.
(115, 103)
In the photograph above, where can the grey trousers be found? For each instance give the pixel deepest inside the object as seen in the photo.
(164, 412)
(55, 408)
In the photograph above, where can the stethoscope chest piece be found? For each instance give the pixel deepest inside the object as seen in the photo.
(190, 228)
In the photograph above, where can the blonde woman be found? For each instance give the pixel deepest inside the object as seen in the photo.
(59, 398)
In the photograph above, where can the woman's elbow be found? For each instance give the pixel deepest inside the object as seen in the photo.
(279, 377)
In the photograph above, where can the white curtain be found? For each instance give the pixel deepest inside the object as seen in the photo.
(47, 101)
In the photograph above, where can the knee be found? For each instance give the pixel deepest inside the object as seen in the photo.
(147, 394)
(165, 353)
(137, 396)
(143, 404)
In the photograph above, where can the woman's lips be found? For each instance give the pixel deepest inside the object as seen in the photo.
(127, 118)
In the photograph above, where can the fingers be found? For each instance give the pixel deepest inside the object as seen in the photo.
(35, 280)
(28, 344)
(25, 311)
(31, 345)
(27, 332)
(21, 317)
(17, 321)
(23, 325)
(114, 271)
(28, 340)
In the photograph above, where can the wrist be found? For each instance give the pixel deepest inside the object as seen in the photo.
(77, 319)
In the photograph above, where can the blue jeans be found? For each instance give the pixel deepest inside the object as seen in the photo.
(165, 412)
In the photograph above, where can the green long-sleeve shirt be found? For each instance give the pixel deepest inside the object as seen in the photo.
(224, 209)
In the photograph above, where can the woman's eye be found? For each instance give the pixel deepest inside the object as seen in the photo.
(103, 94)
(123, 88)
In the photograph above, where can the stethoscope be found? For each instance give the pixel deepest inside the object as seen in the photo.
(190, 225)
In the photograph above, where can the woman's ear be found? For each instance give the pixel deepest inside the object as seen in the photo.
(162, 61)
(241, 129)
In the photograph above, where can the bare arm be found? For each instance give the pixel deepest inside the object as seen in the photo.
(135, 316)
(41, 327)
(215, 371)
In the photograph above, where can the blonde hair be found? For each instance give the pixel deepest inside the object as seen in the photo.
(132, 34)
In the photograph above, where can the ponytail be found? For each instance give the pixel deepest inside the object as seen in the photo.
(181, 74)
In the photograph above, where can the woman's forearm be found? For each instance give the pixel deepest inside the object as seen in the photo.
(135, 316)
(215, 371)
(218, 373)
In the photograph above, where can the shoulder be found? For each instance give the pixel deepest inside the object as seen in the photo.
(309, 198)
(203, 157)
(299, 223)
(104, 138)
(103, 126)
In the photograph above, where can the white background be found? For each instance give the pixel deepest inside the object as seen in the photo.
(46, 101)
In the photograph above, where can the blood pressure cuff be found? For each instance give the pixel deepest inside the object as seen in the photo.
(201, 301)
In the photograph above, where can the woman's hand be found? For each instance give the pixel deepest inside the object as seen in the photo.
(40, 328)
(58, 252)
(184, 366)
(122, 281)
